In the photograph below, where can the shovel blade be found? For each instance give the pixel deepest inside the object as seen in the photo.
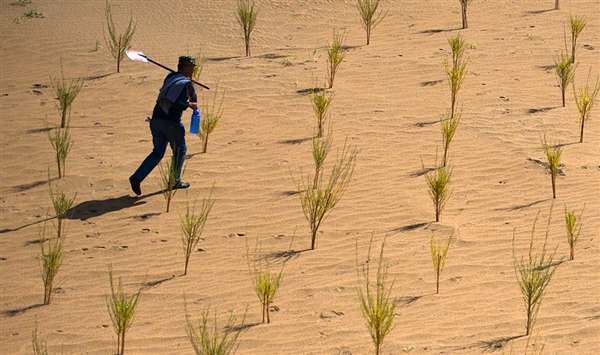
(136, 55)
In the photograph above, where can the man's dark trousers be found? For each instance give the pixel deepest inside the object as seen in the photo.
(163, 132)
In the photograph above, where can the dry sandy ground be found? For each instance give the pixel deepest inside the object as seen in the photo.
(387, 98)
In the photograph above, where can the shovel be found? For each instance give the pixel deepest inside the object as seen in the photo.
(141, 57)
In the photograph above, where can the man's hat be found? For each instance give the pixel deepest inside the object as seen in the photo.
(187, 60)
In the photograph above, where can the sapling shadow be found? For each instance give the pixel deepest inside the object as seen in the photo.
(335, 56)
(573, 224)
(212, 112)
(370, 15)
(121, 308)
(60, 140)
(321, 100)
(439, 254)
(117, 43)
(192, 226)
(206, 336)
(266, 281)
(585, 98)
(553, 156)
(318, 200)
(576, 24)
(375, 297)
(246, 14)
(565, 73)
(66, 91)
(534, 273)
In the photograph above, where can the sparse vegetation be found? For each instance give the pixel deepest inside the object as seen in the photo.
(192, 226)
(40, 347)
(212, 111)
(200, 60)
(266, 281)
(246, 16)
(320, 150)
(534, 274)
(52, 258)
(168, 180)
(439, 254)
(118, 43)
(22, 3)
(376, 302)
(370, 15)
(464, 5)
(553, 155)
(438, 182)
(573, 224)
(585, 99)
(60, 139)
(565, 72)
(456, 76)
(457, 48)
(318, 200)
(66, 91)
(61, 204)
(208, 339)
(321, 100)
(449, 126)
(577, 24)
(335, 56)
(121, 309)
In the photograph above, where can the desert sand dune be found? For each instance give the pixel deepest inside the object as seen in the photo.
(389, 97)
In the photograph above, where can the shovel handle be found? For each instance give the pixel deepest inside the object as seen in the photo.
(172, 71)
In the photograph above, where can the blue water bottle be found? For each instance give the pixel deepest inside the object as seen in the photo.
(195, 122)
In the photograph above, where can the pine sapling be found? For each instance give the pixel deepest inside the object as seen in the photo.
(60, 139)
(39, 345)
(266, 281)
(318, 200)
(246, 16)
(321, 100)
(464, 4)
(52, 258)
(573, 224)
(62, 205)
(209, 339)
(199, 67)
(553, 155)
(449, 126)
(376, 302)
(534, 274)
(117, 43)
(66, 91)
(169, 176)
(212, 111)
(335, 56)
(439, 254)
(121, 308)
(585, 99)
(320, 150)
(565, 73)
(577, 24)
(192, 226)
(456, 76)
(438, 182)
(457, 47)
(370, 15)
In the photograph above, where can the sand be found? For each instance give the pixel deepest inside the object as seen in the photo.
(388, 97)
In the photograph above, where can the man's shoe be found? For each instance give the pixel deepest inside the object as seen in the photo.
(135, 186)
(181, 185)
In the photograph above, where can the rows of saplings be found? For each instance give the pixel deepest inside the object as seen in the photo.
(319, 193)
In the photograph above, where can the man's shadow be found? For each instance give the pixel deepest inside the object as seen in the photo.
(95, 208)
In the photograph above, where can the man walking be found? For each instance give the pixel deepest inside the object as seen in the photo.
(175, 96)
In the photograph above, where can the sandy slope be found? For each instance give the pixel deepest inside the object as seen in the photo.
(387, 96)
